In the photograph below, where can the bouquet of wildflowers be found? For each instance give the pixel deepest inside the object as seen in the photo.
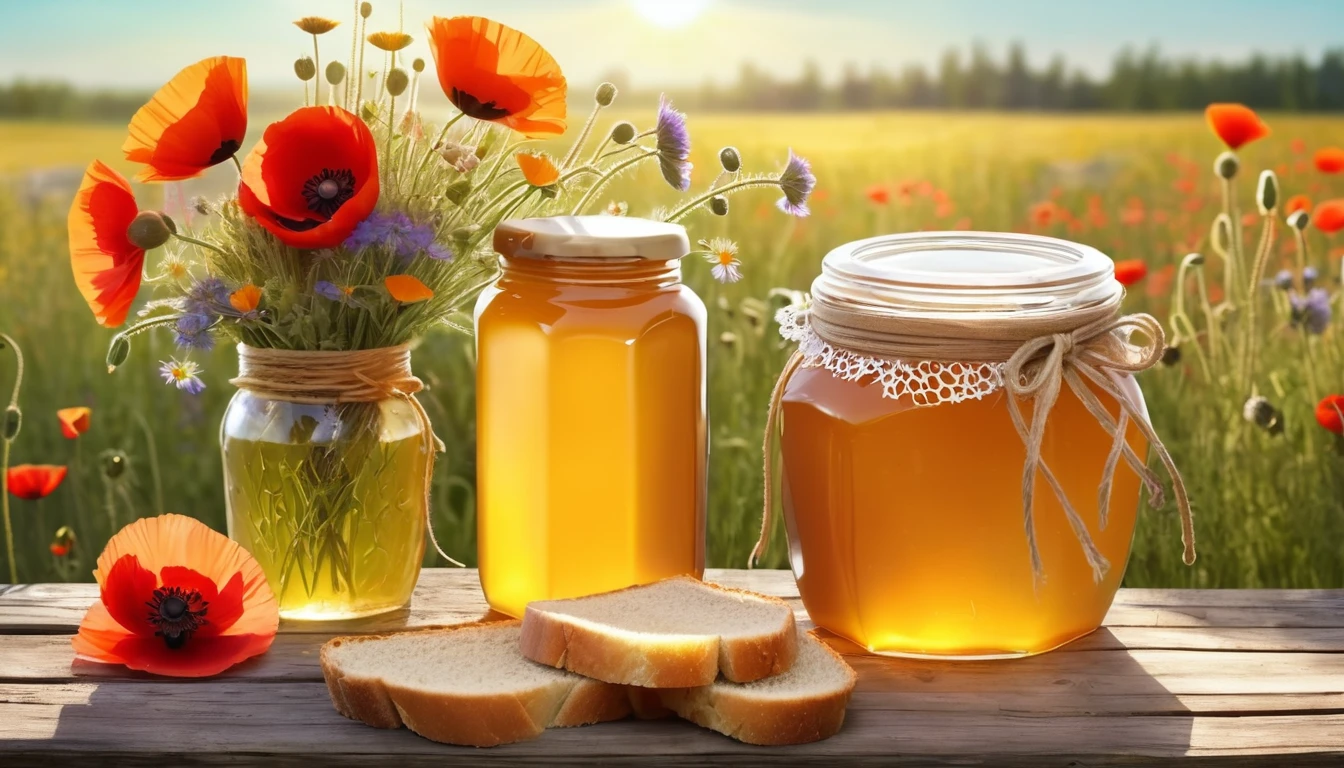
(356, 223)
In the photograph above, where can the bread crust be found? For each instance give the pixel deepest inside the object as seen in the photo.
(559, 641)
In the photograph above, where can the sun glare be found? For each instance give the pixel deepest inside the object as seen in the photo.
(670, 14)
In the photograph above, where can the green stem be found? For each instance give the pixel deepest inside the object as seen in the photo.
(4, 460)
(582, 139)
(1252, 296)
(682, 212)
(429, 153)
(606, 178)
(153, 461)
(317, 78)
(202, 243)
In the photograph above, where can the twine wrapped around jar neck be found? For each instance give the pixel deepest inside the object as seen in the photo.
(1039, 352)
(320, 377)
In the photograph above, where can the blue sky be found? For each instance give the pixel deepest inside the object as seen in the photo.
(140, 43)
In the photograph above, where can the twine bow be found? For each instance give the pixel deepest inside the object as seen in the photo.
(1098, 347)
(317, 377)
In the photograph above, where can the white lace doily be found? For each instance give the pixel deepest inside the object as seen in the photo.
(926, 382)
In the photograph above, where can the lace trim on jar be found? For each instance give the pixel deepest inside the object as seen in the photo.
(926, 382)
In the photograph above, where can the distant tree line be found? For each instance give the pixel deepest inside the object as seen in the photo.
(1137, 81)
(40, 100)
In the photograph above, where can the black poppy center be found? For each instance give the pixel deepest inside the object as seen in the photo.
(474, 107)
(327, 191)
(176, 613)
(227, 148)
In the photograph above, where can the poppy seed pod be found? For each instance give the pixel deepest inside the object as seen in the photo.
(456, 192)
(730, 159)
(1299, 220)
(1194, 259)
(1226, 165)
(305, 68)
(335, 72)
(623, 132)
(1267, 193)
(718, 204)
(1171, 356)
(117, 352)
(418, 65)
(13, 421)
(150, 229)
(397, 80)
(365, 10)
(1263, 414)
(606, 93)
(114, 464)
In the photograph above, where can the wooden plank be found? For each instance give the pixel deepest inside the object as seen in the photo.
(281, 723)
(449, 596)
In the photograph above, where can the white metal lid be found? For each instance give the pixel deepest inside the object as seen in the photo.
(591, 237)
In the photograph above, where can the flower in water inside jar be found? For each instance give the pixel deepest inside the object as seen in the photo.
(183, 374)
(176, 598)
(722, 253)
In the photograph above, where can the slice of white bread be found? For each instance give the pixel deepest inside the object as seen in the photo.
(461, 685)
(675, 633)
(806, 703)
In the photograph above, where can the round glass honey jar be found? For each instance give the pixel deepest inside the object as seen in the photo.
(591, 425)
(963, 443)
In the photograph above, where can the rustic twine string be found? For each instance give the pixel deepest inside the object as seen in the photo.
(1040, 353)
(354, 376)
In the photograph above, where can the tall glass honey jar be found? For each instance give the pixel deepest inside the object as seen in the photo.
(591, 425)
(908, 431)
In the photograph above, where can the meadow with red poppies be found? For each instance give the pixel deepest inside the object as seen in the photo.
(1266, 477)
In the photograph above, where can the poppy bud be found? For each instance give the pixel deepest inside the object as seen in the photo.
(397, 80)
(730, 159)
(549, 193)
(1221, 234)
(623, 132)
(335, 72)
(368, 111)
(1226, 165)
(1299, 220)
(606, 93)
(365, 10)
(1171, 356)
(1267, 193)
(718, 204)
(1194, 259)
(114, 464)
(305, 69)
(1263, 414)
(418, 65)
(456, 192)
(150, 229)
(117, 352)
(13, 421)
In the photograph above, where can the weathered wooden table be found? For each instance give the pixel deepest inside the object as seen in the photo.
(1215, 677)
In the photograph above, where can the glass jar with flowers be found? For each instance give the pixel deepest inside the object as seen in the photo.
(357, 227)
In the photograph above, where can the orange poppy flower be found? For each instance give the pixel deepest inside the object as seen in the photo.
(177, 598)
(74, 421)
(1236, 124)
(106, 263)
(1329, 160)
(1328, 413)
(312, 178)
(407, 289)
(1329, 216)
(879, 194)
(1296, 203)
(194, 122)
(34, 481)
(538, 169)
(496, 73)
(245, 299)
(1130, 271)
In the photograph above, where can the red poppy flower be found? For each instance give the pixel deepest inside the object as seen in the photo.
(312, 178)
(1296, 203)
(1236, 124)
(1298, 146)
(194, 122)
(63, 541)
(1328, 413)
(496, 73)
(34, 481)
(106, 263)
(1329, 216)
(1130, 271)
(74, 421)
(1329, 160)
(1045, 213)
(177, 598)
(880, 194)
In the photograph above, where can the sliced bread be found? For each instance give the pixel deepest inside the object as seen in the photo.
(465, 685)
(806, 703)
(675, 633)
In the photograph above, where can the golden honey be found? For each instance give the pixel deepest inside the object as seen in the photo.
(591, 437)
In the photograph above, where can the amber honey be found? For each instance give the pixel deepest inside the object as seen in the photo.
(591, 428)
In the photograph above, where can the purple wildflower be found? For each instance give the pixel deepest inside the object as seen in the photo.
(193, 332)
(185, 375)
(796, 182)
(341, 293)
(1309, 276)
(1312, 312)
(674, 146)
(398, 233)
(1283, 280)
(208, 296)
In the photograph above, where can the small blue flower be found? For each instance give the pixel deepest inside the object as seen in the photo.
(193, 332)
(674, 146)
(1312, 312)
(328, 290)
(1283, 280)
(1309, 276)
(184, 374)
(208, 296)
(398, 233)
(796, 182)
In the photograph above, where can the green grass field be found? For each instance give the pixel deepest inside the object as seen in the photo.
(1268, 507)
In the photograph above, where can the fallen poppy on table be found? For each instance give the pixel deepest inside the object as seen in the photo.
(74, 421)
(496, 73)
(196, 121)
(177, 598)
(31, 482)
(1235, 124)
